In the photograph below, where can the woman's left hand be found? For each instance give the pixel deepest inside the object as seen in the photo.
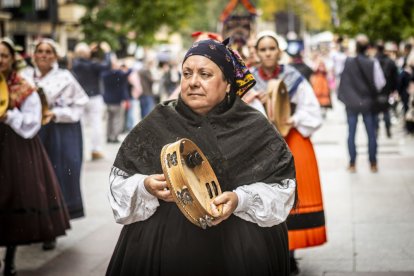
(48, 116)
(289, 121)
(229, 201)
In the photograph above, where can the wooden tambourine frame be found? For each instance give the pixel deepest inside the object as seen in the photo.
(4, 95)
(191, 180)
(278, 105)
(45, 105)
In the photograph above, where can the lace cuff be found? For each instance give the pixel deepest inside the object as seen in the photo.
(129, 199)
(266, 204)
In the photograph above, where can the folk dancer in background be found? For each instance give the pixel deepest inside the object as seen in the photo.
(306, 223)
(62, 136)
(31, 203)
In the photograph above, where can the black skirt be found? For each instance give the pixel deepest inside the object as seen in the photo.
(168, 244)
(64, 146)
(31, 204)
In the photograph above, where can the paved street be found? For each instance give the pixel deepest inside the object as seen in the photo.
(370, 217)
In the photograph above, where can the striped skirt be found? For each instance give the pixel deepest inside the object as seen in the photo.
(31, 204)
(306, 223)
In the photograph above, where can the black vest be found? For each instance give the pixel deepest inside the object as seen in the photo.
(354, 90)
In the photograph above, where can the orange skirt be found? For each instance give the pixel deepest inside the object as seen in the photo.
(306, 223)
(320, 86)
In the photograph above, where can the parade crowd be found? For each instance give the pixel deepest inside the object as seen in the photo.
(272, 197)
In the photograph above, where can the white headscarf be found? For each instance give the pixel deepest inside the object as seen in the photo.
(280, 40)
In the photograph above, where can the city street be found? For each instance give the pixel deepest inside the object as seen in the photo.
(369, 216)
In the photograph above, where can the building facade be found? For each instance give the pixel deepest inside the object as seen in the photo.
(25, 21)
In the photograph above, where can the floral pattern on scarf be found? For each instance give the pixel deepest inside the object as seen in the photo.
(19, 90)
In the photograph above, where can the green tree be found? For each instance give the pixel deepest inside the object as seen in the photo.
(134, 20)
(385, 19)
(204, 18)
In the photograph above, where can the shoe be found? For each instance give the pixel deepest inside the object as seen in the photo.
(294, 269)
(374, 168)
(352, 168)
(7, 269)
(389, 133)
(49, 245)
(96, 155)
(8, 266)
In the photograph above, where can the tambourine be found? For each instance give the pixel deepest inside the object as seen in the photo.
(191, 180)
(45, 105)
(4, 95)
(278, 105)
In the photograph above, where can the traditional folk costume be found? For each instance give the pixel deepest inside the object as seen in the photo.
(306, 223)
(248, 157)
(32, 208)
(320, 85)
(62, 137)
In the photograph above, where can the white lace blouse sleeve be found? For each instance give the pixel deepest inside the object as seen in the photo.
(26, 121)
(265, 204)
(129, 199)
(307, 117)
(78, 99)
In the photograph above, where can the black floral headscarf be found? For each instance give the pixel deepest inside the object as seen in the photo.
(230, 63)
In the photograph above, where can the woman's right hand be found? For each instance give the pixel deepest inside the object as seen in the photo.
(263, 97)
(250, 96)
(3, 117)
(253, 94)
(157, 186)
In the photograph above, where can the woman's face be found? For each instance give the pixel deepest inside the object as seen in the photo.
(44, 56)
(6, 59)
(268, 52)
(202, 85)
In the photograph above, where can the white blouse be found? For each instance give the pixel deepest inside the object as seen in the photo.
(264, 204)
(307, 117)
(26, 121)
(64, 94)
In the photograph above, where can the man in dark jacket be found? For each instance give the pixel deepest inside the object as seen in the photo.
(88, 73)
(147, 99)
(115, 95)
(391, 76)
(361, 79)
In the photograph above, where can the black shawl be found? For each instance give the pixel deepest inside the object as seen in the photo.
(239, 142)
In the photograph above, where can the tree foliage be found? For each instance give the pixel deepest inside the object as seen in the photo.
(315, 14)
(385, 19)
(135, 20)
(204, 18)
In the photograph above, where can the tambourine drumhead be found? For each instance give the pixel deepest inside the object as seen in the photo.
(4, 95)
(191, 180)
(278, 105)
